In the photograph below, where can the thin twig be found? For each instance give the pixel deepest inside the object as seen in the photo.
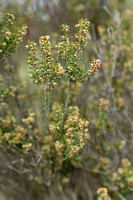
(66, 104)
(47, 112)
(47, 121)
(7, 50)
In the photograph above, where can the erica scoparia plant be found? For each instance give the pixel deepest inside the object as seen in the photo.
(69, 132)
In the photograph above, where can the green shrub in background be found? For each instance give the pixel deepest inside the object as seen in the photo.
(14, 130)
(10, 36)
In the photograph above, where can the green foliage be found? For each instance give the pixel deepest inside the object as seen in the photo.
(103, 194)
(10, 36)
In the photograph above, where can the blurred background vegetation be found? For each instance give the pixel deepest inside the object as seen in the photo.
(105, 101)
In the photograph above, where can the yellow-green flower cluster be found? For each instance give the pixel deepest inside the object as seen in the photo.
(81, 35)
(8, 121)
(65, 28)
(123, 177)
(103, 194)
(27, 146)
(52, 70)
(8, 92)
(14, 133)
(10, 36)
(75, 135)
(125, 162)
(45, 45)
(105, 162)
(69, 143)
(33, 61)
(103, 120)
(103, 104)
(11, 133)
(10, 17)
(29, 120)
(69, 52)
(68, 55)
(121, 144)
(59, 147)
(44, 71)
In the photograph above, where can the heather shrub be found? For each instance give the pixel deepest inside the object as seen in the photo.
(66, 131)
